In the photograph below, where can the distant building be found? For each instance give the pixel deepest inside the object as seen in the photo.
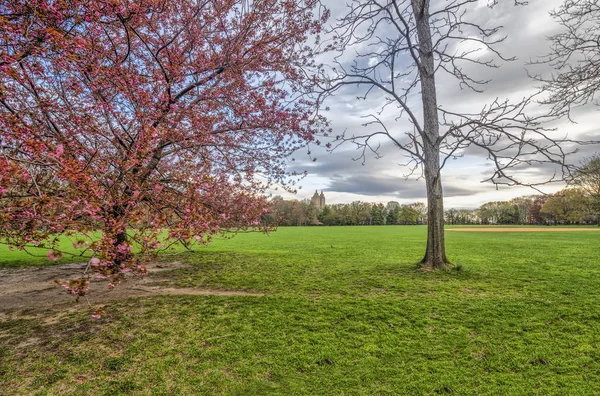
(318, 200)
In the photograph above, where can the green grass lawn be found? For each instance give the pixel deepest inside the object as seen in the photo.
(11, 257)
(346, 312)
(38, 257)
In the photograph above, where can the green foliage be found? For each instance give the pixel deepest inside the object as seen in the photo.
(392, 210)
(502, 212)
(408, 215)
(291, 213)
(346, 312)
(569, 206)
(377, 213)
(588, 179)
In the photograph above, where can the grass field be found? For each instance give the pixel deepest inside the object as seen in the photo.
(38, 257)
(346, 312)
(14, 258)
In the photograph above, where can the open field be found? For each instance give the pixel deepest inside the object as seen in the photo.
(523, 229)
(344, 311)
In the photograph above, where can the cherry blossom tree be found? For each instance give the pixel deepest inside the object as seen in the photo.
(147, 122)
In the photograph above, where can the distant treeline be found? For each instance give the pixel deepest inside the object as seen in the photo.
(569, 206)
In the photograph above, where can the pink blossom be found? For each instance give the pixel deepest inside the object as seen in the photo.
(95, 174)
(123, 249)
(54, 256)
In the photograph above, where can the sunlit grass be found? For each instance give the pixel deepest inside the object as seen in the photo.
(346, 312)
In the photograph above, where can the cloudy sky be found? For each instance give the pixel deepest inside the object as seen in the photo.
(380, 180)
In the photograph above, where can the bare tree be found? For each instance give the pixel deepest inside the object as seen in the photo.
(575, 55)
(401, 47)
(575, 58)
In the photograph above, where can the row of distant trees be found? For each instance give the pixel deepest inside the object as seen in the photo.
(300, 213)
(569, 206)
(577, 204)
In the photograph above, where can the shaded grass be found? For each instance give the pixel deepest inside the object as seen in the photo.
(38, 257)
(347, 313)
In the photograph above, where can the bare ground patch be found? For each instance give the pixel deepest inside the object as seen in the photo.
(34, 288)
(520, 229)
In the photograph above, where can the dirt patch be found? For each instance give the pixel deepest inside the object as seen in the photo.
(520, 229)
(34, 288)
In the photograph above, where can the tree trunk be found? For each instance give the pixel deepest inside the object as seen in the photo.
(435, 255)
(121, 239)
(118, 213)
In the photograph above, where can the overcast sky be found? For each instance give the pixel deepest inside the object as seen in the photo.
(381, 180)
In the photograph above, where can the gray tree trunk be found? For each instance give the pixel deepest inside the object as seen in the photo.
(435, 255)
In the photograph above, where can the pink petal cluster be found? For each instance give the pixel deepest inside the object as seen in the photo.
(148, 127)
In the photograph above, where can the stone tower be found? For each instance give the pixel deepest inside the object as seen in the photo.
(315, 199)
(318, 200)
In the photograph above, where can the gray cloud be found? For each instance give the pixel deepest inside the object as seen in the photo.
(369, 184)
(526, 29)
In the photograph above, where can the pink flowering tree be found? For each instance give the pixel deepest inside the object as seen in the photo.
(147, 122)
